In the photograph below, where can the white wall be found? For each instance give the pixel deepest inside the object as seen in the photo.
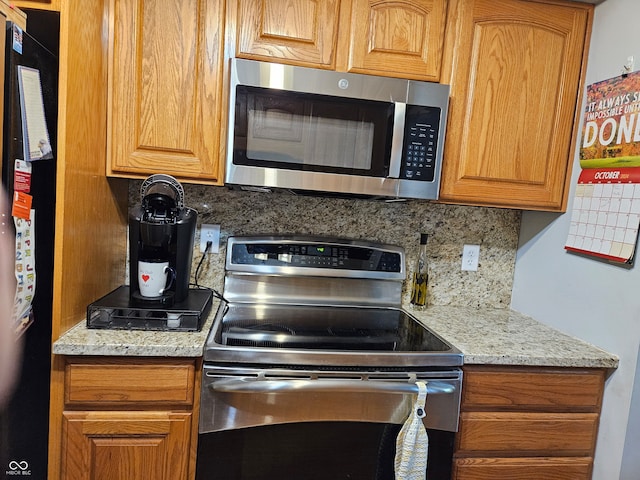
(587, 298)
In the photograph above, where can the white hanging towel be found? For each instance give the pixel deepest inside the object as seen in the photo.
(412, 444)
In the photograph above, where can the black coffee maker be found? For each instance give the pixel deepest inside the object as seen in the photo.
(162, 229)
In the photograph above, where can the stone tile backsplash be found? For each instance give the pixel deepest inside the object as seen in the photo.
(397, 223)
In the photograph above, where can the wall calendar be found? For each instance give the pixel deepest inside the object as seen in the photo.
(606, 209)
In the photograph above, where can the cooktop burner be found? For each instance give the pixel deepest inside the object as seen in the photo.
(325, 335)
(325, 328)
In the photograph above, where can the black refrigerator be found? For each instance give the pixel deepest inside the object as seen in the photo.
(25, 421)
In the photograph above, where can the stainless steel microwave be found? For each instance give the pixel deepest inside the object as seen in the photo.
(306, 129)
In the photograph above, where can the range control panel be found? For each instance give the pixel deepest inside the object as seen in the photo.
(420, 143)
(289, 256)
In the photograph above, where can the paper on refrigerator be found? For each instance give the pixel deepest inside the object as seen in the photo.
(25, 271)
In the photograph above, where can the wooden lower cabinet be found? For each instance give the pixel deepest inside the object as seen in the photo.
(528, 433)
(116, 445)
(130, 418)
(522, 468)
(136, 418)
(525, 423)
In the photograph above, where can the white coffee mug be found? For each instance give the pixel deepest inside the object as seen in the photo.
(154, 278)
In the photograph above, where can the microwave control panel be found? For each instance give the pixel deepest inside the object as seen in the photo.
(420, 143)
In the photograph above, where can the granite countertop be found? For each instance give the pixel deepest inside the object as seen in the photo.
(485, 337)
(507, 337)
(80, 340)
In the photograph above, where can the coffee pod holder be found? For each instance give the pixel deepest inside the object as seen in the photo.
(115, 311)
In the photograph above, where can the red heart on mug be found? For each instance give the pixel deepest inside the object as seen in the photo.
(145, 277)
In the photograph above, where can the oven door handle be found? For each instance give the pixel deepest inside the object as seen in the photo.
(253, 385)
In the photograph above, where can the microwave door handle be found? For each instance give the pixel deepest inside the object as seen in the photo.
(395, 160)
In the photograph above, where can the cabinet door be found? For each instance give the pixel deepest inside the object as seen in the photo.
(165, 89)
(400, 38)
(131, 445)
(302, 32)
(515, 73)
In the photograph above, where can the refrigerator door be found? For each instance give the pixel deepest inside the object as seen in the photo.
(26, 420)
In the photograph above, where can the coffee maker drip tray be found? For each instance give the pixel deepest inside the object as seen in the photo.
(117, 311)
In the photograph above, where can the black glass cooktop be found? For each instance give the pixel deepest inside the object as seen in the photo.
(326, 328)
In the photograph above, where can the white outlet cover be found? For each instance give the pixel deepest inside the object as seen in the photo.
(210, 233)
(470, 257)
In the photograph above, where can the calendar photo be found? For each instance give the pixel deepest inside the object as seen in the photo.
(606, 209)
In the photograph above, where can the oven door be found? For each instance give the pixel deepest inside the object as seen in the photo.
(272, 424)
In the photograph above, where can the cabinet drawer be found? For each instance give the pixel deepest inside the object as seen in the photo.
(138, 381)
(521, 389)
(546, 434)
(578, 468)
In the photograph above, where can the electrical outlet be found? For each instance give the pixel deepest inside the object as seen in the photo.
(628, 67)
(470, 257)
(210, 233)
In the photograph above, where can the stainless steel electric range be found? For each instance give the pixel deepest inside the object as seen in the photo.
(311, 342)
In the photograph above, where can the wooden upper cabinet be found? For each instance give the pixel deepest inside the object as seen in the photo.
(402, 38)
(10, 14)
(398, 38)
(165, 89)
(53, 5)
(515, 70)
(303, 32)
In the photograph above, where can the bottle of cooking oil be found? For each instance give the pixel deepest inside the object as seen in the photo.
(420, 275)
